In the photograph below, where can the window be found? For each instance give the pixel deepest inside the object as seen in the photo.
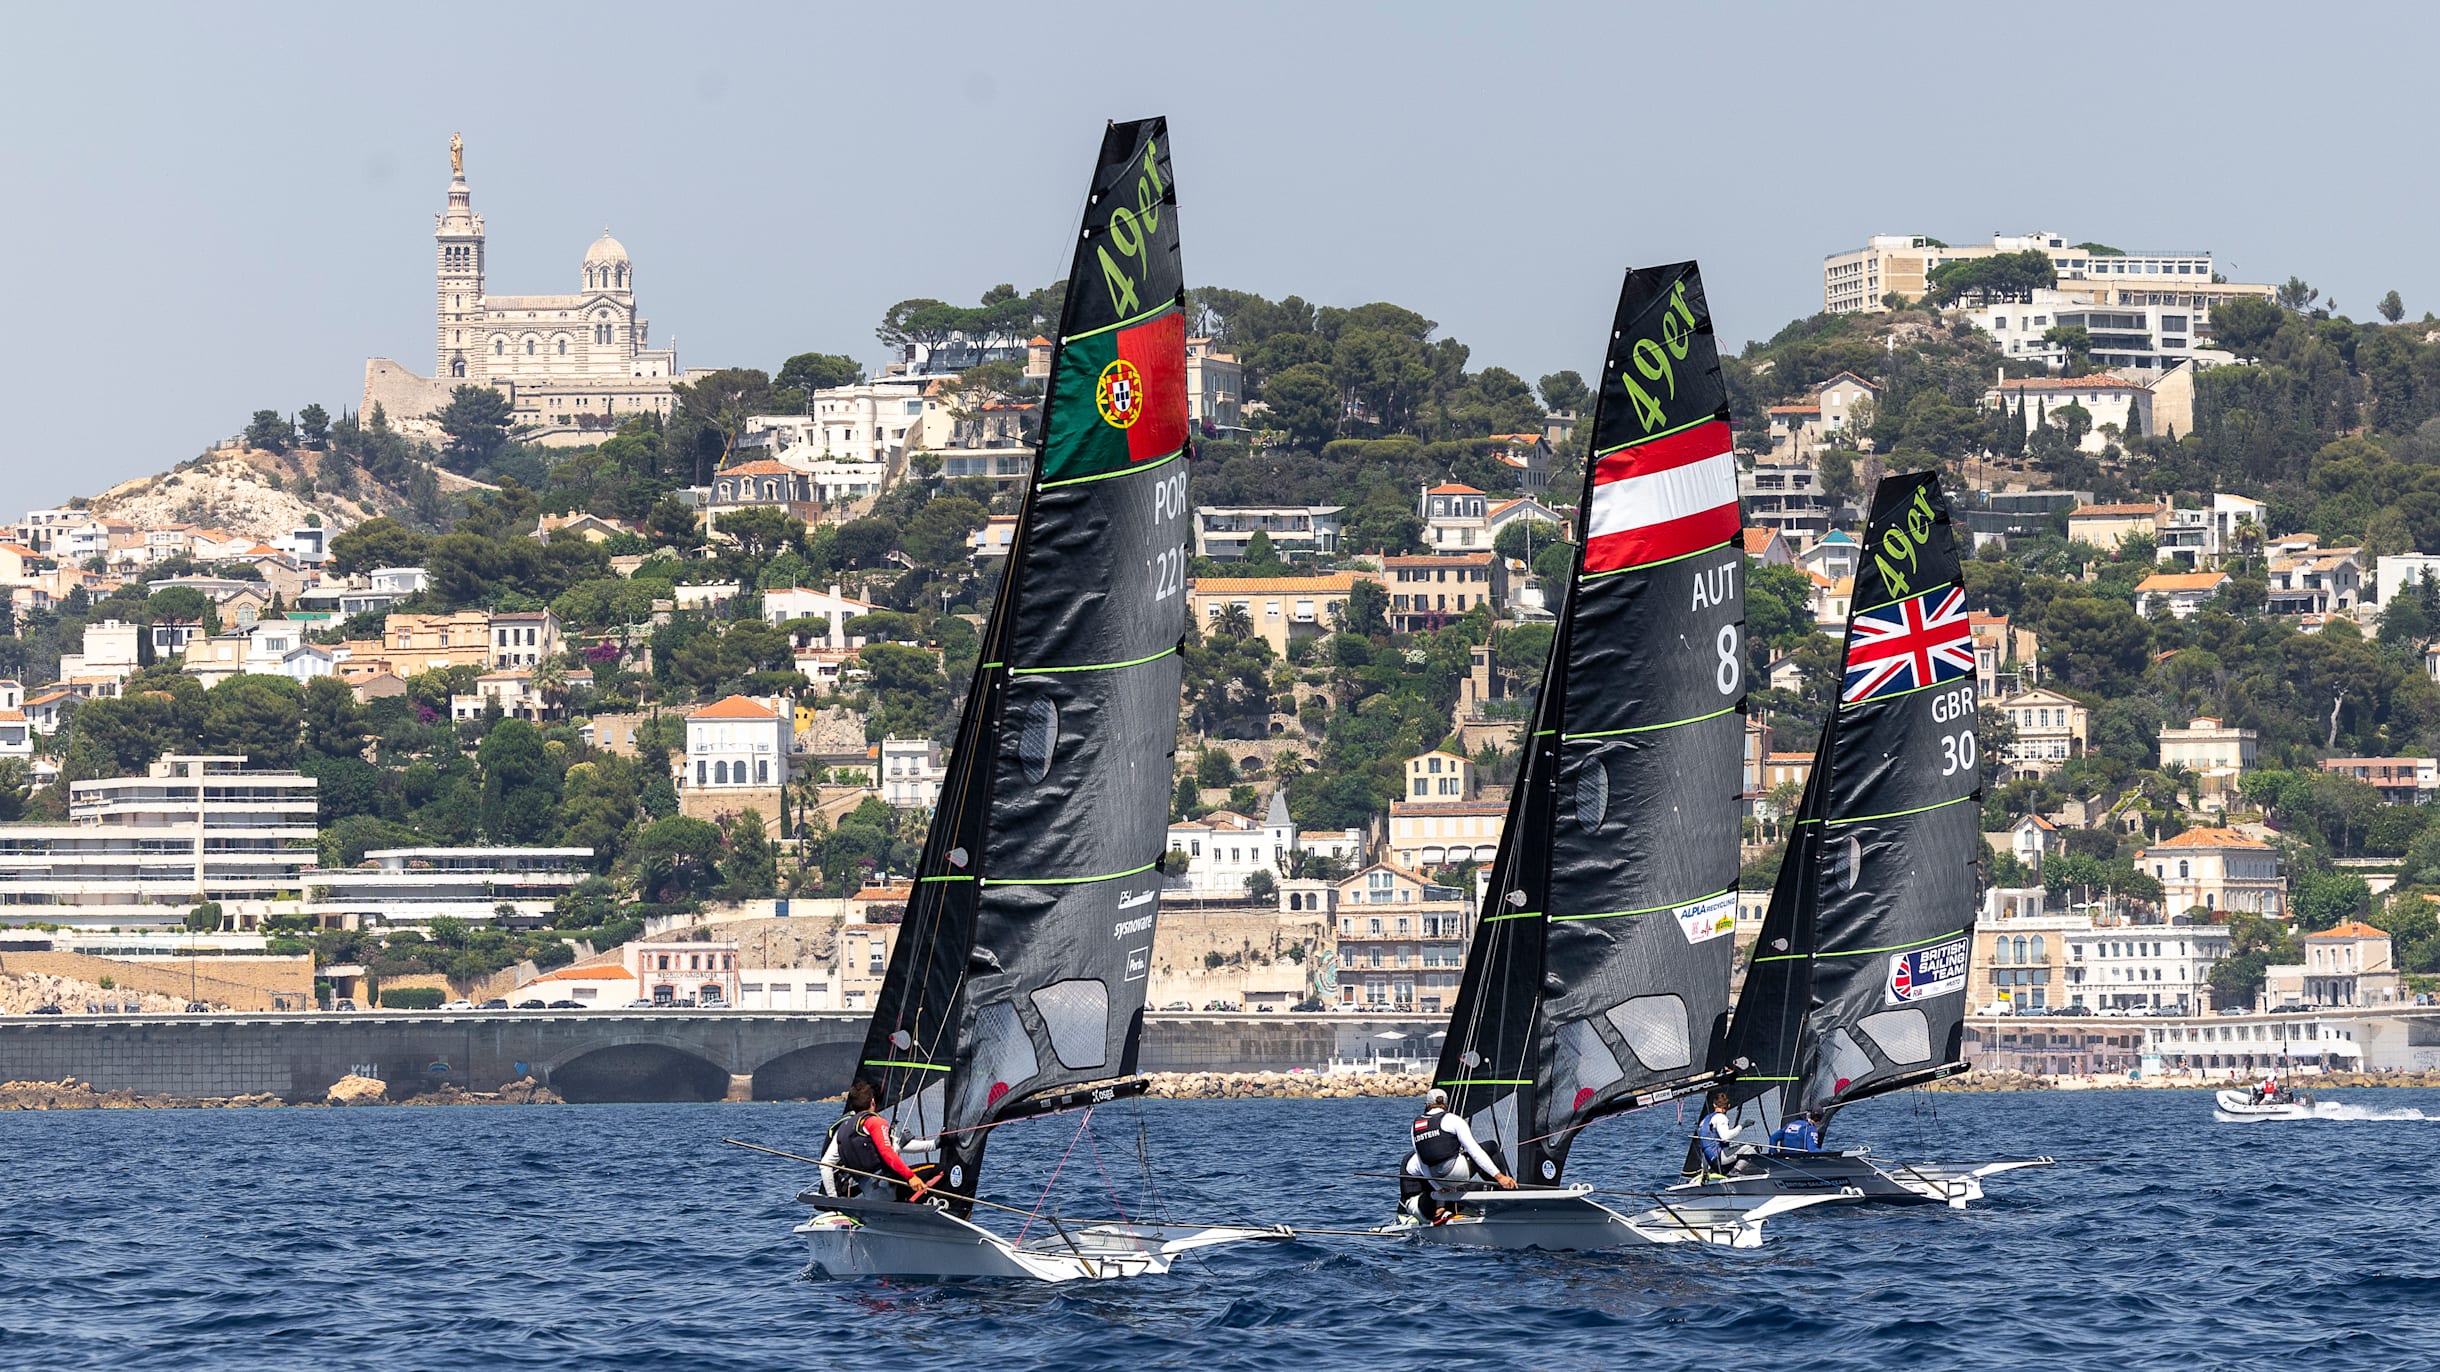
(529, 347)
(699, 771)
(499, 347)
(720, 773)
(563, 347)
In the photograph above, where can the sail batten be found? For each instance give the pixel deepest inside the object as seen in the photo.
(1025, 954)
(1599, 976)
(1857, 986)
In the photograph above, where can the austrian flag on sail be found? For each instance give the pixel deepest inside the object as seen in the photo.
(1663, 498)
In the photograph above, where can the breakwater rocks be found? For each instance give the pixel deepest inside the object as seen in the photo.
(1283, 1085)
(71, 1094)
(2001, 1080)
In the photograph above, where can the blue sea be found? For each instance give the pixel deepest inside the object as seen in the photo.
(630, 1236)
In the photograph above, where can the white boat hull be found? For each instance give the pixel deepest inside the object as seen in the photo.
(2236, 1107)
(1856, 1177)
(855, 1237)
(1569, 1220)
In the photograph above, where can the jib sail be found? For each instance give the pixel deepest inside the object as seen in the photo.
(1858, 981)
(1598, 977)
(1023, 960)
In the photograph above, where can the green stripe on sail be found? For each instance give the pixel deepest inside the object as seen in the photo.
(1521, 914)
(1656, 562)
(1106, 476)
(1155, 312)
(1649, 909)
(915, 1066)
(1652, 728)
(1657, 437)
(1069, 881)
(1893, 814)
(1093, 666)
(1892, 948)
(1485, 1081)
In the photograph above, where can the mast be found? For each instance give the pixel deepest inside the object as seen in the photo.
(1857, 985)
(1023, 960)
(1598, 977)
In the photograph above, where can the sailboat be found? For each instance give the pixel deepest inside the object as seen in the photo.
(1017, 984)
(1857, 984)
(1597, 981)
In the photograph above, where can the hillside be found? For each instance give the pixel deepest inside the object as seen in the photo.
(256, 492)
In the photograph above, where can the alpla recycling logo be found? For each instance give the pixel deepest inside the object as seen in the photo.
(1120, 394)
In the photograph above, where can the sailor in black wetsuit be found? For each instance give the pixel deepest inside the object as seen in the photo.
(1446, 1160)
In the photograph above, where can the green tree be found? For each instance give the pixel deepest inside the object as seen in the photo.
(2245, 324)
(254, 716)
(205, 918)
(2000, 275)
(520, 785)
(1566, 393)
(334, 722)
(1366, 610)
(1304, 402)
(675, 858)
(2392, 308)
(380, 542)
(2074, 340)
(761, 530)
(810, 372)
(270, 431)
(475, 422)
(938, 534)
(751, 869)
(313, 423)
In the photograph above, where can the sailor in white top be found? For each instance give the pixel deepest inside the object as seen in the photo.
(1446, 1160)
(1718, 1131)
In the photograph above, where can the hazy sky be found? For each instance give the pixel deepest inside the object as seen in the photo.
(215, 209)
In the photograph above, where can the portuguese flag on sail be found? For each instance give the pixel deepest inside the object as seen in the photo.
(1119, 399)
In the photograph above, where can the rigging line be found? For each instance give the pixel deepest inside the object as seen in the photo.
(1647, 566)
(1044, 1198)
(1107, 1184)
(1649, 909)
(1070, 881)
(1712, 418)
(1169, 651)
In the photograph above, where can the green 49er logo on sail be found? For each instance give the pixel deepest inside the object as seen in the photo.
(1120, 394)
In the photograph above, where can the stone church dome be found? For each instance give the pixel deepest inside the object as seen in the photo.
(605, 249)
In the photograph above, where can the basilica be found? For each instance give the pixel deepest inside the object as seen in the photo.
(570, 365)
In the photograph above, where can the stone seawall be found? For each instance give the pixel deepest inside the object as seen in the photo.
(591, 1056)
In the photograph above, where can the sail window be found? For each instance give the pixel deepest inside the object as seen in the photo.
(1038, 739)
(1076, 1014)
(1581, 1067)
(1903, 1035)
(1002, 1060)
(1592, 794)
(1655, 1030)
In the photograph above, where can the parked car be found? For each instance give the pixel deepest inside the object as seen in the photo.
(639, 1004)
(459, 1005)
(1177, 1005)
(563, 1005)
(2072, 1010)
(48, 1010)
(196, 1007)
(343, 1005)
(1308, 1006)
(495, 1003)
(531, 1005)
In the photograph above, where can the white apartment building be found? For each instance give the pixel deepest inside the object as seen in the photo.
(1222, 532)
(1224, 848)
(404, 886)
(1401, 941)
(868, 422)
(139, 852)
(2122, 405)
(1215, 390)
(2397, 571)
(831, 606)
(2050, 729)
(2216, 753)
(1854, 282)
(1787, 497)
(524, 638)
(736, 742)
(911, 773)
(2021, 954)
(16, 731)
(2216, 870)
(2182, 594)
(2198, 537)
(2315, 581)
(108, 658)
(2144, 966)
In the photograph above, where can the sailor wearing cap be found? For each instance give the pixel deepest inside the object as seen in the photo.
(1446, 1158)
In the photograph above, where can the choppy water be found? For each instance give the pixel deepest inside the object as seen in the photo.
(629, 1237)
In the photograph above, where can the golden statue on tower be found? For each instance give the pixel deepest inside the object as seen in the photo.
(457, 156)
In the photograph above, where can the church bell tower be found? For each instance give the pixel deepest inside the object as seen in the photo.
(458, 232)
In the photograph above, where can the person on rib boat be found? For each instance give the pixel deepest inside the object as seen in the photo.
(1803, 1134)
(1447, 1158)
(1718, 1134)
(861, 1143)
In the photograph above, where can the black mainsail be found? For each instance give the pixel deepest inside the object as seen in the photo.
(1858, 980)
(1598, 976)
(1022, 963)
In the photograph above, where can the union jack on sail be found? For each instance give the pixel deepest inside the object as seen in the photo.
(1920, 641)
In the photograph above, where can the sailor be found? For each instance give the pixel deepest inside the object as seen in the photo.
(2268, 1091)
(861, 1142)
(1718, 1131)
(1446, 1157)
(1801, 1134)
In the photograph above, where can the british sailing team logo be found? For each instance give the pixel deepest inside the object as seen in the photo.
(1120, 394)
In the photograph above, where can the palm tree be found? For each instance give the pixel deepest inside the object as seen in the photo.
(1235, 621)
